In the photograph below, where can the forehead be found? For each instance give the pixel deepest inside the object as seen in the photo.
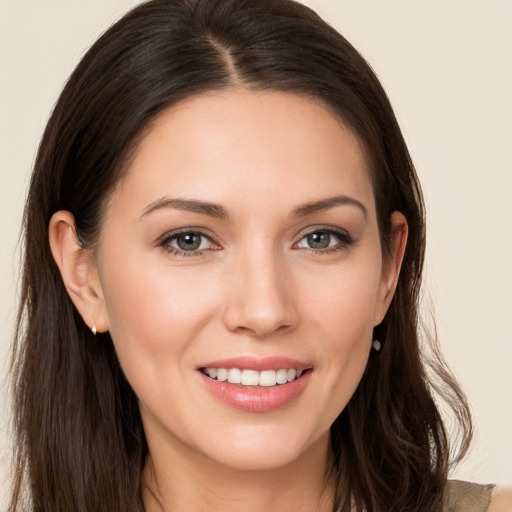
(241, 146)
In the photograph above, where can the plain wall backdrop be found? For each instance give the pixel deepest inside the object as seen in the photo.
(447, 68)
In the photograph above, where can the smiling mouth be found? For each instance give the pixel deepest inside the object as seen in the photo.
(265, 378)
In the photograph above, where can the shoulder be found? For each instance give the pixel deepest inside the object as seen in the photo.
(463, 496)
(501, 500)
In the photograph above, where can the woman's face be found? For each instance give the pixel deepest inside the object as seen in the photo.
(243, 242)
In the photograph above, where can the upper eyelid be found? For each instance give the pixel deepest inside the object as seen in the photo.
(165, 241)
(206, 233)
(183, 231)
(344, 238)
(328, 228)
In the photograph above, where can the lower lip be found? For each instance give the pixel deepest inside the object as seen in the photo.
(256, 398)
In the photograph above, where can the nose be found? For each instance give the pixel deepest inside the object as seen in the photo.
(260, 295)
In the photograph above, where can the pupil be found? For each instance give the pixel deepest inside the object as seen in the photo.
(319, 240)
(189, 242)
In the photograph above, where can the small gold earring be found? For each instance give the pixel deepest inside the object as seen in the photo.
(94, 330)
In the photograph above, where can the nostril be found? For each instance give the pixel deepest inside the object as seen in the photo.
(260, 304)
(259, 330)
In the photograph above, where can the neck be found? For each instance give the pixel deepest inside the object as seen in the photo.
(193, 483)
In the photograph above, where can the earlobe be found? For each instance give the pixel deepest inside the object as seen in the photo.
(392, 264)
(78, 270)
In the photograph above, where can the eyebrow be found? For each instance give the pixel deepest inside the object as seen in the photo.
(188, 205)
(326, 204)
(219, 212)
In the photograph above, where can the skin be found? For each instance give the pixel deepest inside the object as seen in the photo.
(255, 288)
(501, 500)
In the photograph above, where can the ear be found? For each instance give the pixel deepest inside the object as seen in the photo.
(78, 270)
(391, 265)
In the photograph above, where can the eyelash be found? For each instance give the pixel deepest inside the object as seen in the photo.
(169, 237)
(345, 240)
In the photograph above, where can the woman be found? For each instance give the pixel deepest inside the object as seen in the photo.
(224, 244)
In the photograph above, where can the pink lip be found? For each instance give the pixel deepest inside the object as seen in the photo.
(255, 398)
(257, 363)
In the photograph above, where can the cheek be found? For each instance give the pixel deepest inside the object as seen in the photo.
(342, 313)
(347, 334)
(344, 300)
(154, 314)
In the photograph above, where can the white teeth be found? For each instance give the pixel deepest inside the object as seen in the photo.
(282, 376)
(234, 376)
(222, 374)
(265, 378)
(250, 377)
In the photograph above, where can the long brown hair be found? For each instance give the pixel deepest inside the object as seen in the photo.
(80, 442)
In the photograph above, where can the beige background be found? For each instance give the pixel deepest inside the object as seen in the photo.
(447, 67)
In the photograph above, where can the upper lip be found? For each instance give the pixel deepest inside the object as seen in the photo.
(257, 363)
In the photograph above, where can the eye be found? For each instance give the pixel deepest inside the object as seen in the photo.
(187, 242)
(323, 239)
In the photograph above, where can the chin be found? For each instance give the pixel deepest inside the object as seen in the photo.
(266, 449)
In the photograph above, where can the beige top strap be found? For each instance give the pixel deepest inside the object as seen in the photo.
(467, 497)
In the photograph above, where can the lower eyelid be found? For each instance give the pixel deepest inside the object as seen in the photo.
(344, 240)
(165, 242)
(343, 237)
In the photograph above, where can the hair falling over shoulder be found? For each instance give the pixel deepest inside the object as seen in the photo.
(80, 444)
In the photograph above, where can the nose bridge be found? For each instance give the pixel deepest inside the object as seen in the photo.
(260, 291)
